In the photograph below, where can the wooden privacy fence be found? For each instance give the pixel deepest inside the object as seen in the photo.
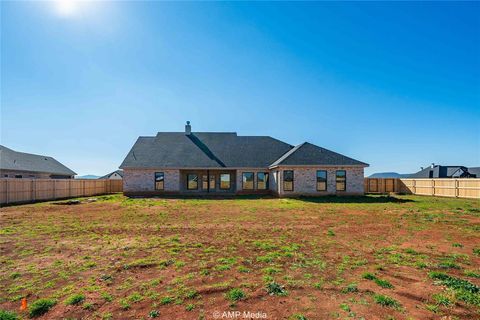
(29, 190)
(459, 188)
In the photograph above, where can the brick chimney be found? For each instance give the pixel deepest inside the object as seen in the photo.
(188, 128)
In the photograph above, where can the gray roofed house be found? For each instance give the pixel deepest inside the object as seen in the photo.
(206, 163)
(14, 164)
(437, 171)
(115, 175)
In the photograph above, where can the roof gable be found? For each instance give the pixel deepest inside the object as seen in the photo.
(310, 154)
(14, 160)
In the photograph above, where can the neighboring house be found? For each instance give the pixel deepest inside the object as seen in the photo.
(438, 171)
(14, 164)
(115, 175)
(224, 163)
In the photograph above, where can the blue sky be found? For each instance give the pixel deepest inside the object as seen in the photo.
(396, 85)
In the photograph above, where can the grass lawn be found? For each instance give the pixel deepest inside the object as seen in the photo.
(402, 257)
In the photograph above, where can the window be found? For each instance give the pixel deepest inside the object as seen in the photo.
(247, 180)
(192, 181)
(288, 180)
(341, 180)
(225, 181)
(205, 182)
(212, 181)
(159, 180)
(321, 180)
(262, 180)
(5, 175)
(18, 176)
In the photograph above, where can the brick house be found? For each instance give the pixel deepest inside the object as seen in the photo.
(14, 164)
(223, 163)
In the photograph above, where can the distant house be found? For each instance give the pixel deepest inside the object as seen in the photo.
(224, 163)
(14, 164)
(115, 175)
(438, 171)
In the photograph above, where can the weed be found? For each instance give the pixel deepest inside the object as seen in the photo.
(442, 299)
(383, 283)
(190, 307)
(106, 296)
(352, 287)
(464, 290)
(345, 307)
(40, 307)
(331, 233)
(124, 304)
(235, 295)
(8, 315)
(386, 301)
(153, 314)
(369, 276)
(276, 289)
(432, 307)
(476, 251)
(457, 245)
(166, 300)
(75, 299)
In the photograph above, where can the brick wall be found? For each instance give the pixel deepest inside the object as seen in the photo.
(137, 180)
(255, 171)
(305, 179)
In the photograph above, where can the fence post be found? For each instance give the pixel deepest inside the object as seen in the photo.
(433, 186)
(457, 188)
(414, 187)
(7, 187)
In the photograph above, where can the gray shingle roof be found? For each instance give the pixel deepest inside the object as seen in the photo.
(13, 160)
(224, 149)
(119, 172)
(439, 171)
(310, 154)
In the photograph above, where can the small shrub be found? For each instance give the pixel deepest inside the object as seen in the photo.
(8, 315)
(124, 304)
(235, 295)
(442, 299)
(432, 307)
(331, 233)
(166, 300)
(386, 301)
(190, 307)
(352, 287)
(383, 283)
(88, 306)
(75, 299)
(457, 245)
(153, 314)
(276, 289)
(472, 274)
(107, 296)
(345, 307)
(369, 276)
(191, 294)
(243, 269)
(40, 307)
(476, 251)
(135, 297)
(14, 275)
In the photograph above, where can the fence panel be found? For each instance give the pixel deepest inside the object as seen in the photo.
(28, 190)
(460, 188)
